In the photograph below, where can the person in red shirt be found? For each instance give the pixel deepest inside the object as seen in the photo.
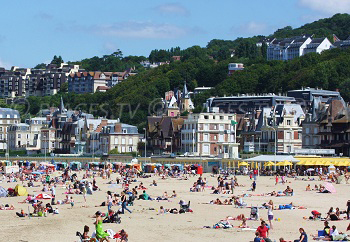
(263, 231)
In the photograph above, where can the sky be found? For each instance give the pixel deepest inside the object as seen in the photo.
(32, 32)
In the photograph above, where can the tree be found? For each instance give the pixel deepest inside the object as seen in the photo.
(113, 152)
(57, 61)
(64, 87)
(40, 66)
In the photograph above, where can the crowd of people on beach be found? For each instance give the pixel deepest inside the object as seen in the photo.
(129, 180)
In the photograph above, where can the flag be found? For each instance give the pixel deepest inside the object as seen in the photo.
(233, 122)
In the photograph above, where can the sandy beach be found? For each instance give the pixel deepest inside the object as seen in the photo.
(145, 225)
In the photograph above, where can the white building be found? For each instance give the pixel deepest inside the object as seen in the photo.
(318, 45)
(290, 48)
(285, 120)
(8, 117)
(210, 134)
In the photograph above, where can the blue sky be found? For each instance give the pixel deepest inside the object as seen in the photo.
(34, 31)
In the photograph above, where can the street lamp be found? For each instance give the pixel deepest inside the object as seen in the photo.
(145, 143)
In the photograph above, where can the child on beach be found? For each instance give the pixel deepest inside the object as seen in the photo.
(253, 186)
(71, 202)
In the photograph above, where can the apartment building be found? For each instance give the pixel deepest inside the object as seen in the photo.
(123, 137)
(90, 82)
(210, 134)
(290, 48)
(8, 117)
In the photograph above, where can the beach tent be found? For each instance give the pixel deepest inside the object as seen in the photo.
(20, 191)
(331, 169)
(75, 165)
(3, 192)
(43, 196)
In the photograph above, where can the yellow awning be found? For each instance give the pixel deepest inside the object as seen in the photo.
(243, 163)
(284, 163)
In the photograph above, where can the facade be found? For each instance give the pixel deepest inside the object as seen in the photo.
(232, 67)
(25, 82)
(245, 103)
(210, 134)
(90, 82)
(122, 137)
(8, 117)
(177, 102)
(164, 134)
(290, 48)
(285, 121)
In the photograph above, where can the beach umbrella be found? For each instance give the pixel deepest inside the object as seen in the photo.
(329, 187)
(269, 163)
(243, 163)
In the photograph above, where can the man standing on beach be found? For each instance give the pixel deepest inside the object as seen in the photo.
(53, 194)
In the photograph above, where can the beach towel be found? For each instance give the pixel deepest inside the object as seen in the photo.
(3, 192)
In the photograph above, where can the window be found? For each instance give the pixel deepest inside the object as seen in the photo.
(130, 141)
(205, 126)
(215, 138)
(0, 129)
(288, 122)
(123, 141)
(206, 149)
(19, 136)
(206, 117)
(27, 136)
(307, 130)
(315, 130)
(307, 140)
(130, 148)
(124, 131)
(221, 138)
(205, 137)
(116, 140)
(123, 149)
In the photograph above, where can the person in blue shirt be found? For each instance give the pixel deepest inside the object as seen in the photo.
(257, 237)
(303, 236)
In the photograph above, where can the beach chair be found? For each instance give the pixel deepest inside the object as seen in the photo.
(254, 213)
(185, 207)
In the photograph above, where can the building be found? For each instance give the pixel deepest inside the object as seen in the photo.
(199, 90)
(245, 103)
(290, 48)
(317, 45)
(8, 117)
(90, 82)
(123, 137)
(232, 67)
(164, 134)
(27, 136)
(343, 44)
(285, 121)
(177, 102)
(210, 134)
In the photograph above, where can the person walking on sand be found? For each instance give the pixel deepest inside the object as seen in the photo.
(270, 212)
(276, 180)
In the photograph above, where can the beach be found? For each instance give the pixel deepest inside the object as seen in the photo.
(143, 224)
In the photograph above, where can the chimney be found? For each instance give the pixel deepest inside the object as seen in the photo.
(118, 127)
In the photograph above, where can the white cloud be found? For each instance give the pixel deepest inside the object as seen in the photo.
(147, 30)
(327, 6)
(172, 8)
(5, 64)
(251, 28)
